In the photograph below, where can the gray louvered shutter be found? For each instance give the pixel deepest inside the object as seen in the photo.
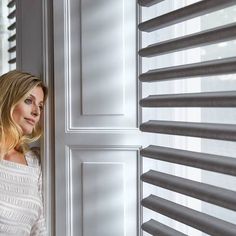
(12, 29)
(215, 99)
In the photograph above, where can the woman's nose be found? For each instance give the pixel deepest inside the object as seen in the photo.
(35, 111)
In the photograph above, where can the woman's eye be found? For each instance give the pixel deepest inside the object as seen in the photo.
(41, 108)
(28, 101)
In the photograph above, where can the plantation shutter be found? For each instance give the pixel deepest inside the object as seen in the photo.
(216, 163)
(12, 29)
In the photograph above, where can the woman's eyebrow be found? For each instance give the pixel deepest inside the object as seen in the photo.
(31, 95)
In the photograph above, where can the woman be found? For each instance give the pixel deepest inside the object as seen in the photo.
(22, 97)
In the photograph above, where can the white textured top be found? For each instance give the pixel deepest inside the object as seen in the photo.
(21, 208)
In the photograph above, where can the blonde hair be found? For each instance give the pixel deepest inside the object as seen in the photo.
(14, 86)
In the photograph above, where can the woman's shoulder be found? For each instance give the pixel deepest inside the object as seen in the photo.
(33, 157)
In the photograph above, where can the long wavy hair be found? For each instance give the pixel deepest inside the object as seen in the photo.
(14, 87)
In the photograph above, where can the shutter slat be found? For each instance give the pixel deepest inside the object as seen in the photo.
(12, 61)
(203, 130)
(198, 220)
(12, 26)
(148, 3)
(205, 161)
(155, 228)
(208, 193)
(204, 38)
(183, 14)
(210, 99)
(12, 49)
(208, 68)
(11, 4)
(12, 15)
(12, 38)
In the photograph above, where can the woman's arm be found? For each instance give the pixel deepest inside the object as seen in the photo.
(39, 228)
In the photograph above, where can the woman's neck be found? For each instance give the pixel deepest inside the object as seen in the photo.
(15, 156)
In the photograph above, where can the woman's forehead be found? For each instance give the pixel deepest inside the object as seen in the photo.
(37, 94)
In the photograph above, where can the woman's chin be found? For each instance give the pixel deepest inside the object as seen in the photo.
(27, 131)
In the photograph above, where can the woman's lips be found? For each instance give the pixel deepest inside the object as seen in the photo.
(30, 121)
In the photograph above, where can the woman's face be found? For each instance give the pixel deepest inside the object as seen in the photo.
(27, 112)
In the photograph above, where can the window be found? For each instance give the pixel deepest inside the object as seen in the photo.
(12, 33)
(8, 36)
(4, 35)
(190, 117)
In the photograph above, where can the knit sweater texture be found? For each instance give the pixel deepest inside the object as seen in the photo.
(21, 203)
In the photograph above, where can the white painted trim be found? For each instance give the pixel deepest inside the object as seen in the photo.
(47, 149)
